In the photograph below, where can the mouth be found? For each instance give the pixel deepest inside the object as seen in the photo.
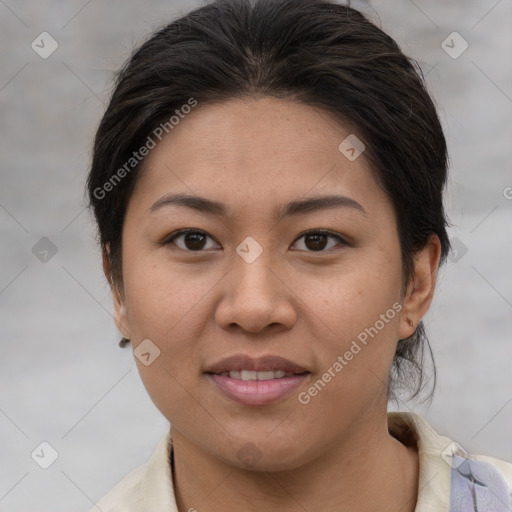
(248, 367)
(261, 381)
(247, 375)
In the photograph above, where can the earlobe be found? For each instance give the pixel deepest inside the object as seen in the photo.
(120, 313)
(420, 290)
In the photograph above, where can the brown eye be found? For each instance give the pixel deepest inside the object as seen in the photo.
(192, 240)
(317, 241)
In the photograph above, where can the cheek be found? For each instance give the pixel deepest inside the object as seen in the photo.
(172, 315)
(356, 313)
(354, 294)
(170, 307)
(163, 296)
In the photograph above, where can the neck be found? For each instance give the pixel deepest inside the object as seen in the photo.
(367, 470)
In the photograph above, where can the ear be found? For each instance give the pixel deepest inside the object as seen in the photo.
(420, 289)
(120, 314)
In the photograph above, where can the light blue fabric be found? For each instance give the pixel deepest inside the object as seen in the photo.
(477, 486)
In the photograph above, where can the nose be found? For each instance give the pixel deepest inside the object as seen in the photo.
(255, 297)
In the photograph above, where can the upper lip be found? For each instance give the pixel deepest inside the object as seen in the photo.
(241, 362)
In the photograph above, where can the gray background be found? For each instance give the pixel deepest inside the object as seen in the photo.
(65, 380)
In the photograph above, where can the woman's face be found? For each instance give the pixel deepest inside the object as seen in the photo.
(252, 283)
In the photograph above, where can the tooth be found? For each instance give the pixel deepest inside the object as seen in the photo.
(254, 375)
(266, 375)
(248, 375)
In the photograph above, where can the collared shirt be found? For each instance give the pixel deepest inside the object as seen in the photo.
(450, 480)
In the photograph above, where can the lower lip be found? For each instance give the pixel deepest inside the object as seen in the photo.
(256, 392)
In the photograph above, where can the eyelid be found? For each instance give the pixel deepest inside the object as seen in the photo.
(168, 240)
(342, 240)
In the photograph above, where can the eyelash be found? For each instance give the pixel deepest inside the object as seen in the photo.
(170, 240)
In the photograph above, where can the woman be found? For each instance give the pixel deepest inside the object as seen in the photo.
(267, 182)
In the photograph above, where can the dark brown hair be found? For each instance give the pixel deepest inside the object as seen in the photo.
(319, 52)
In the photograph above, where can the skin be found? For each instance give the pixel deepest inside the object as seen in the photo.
(334, 453)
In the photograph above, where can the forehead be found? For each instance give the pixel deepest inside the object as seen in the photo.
(255, 151)
(240, 129)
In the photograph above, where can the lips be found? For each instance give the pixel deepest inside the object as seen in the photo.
(244, 363)
(256, 381)
(257, 392)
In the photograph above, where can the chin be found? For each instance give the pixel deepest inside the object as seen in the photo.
(268, 462)
(258, 453)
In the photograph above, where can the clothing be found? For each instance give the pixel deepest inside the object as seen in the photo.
(450, 480)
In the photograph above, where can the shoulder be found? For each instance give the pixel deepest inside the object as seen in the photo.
(126, 491)
(147, 487)
(481, 483)
(503, 466)
(450, 477)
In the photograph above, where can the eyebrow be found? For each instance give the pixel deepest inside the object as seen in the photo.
(293, 208)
